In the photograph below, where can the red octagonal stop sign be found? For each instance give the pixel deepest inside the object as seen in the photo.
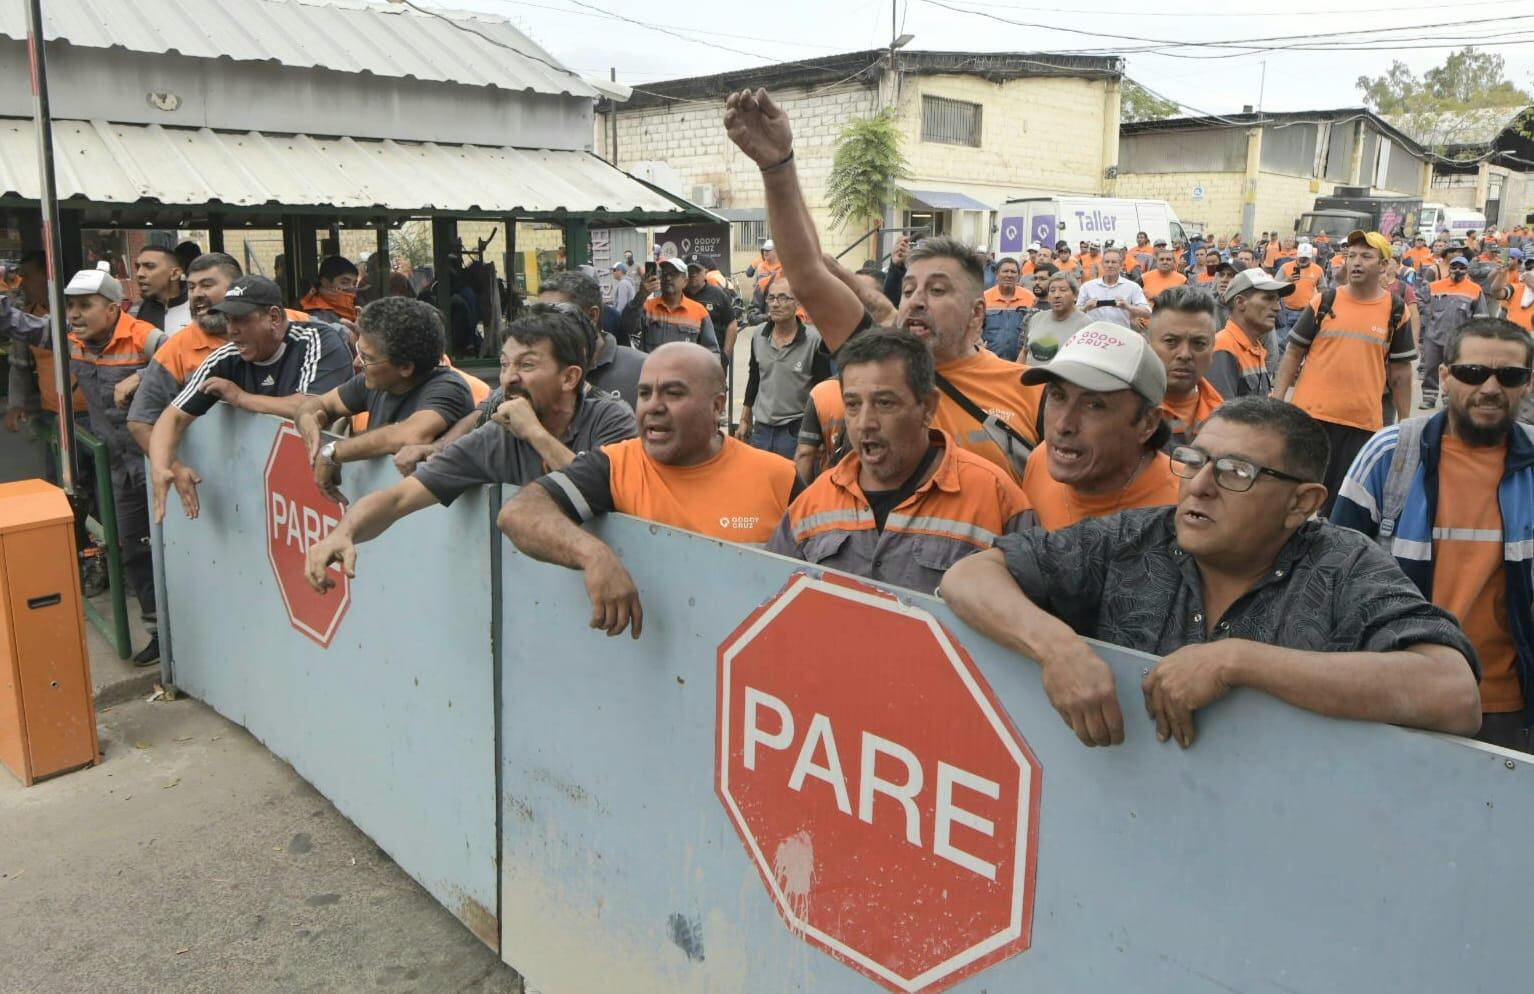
(297, 516)
(884, 795)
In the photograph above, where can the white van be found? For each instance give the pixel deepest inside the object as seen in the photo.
(1441, 219)
(1048, 220)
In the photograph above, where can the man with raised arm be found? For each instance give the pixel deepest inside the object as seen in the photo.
(982, 402)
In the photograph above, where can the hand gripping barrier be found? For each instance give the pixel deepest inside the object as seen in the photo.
(667, 814)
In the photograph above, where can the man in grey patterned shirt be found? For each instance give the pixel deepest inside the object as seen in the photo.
(1234, 586)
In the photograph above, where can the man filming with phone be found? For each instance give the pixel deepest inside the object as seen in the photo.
(664, 313)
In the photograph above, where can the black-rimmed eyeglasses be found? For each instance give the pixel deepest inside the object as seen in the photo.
(1230, 473)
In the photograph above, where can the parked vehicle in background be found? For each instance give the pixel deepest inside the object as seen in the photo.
(1356, 207)
(1048, 220)
(1441, 219)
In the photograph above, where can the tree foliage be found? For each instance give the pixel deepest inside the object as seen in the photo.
(1136, 103)
(866, 170)
(1455, 104)
(1468, 79)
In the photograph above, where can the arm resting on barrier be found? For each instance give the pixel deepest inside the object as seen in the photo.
(537, 527)
(363, 521)
(231, 394)
(981, 591)
(1423, 686)
(761, 130)
(408, 457)
(165, 469)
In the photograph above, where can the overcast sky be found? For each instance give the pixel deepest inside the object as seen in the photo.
(591, 40)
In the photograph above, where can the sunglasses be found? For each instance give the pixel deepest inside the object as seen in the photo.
(1474, 374)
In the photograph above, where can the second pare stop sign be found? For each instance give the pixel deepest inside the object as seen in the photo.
(887, 801)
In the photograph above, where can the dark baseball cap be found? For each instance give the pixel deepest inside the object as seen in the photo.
(247, 295)
(696, 262)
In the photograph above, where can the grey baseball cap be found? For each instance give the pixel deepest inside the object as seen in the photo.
(1256, 279)
(1105, 357)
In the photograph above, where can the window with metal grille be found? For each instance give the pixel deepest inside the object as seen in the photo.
(952, 122)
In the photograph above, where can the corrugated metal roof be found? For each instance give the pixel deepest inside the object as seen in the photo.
(109, 163)
(1476, 126)
(350, 36)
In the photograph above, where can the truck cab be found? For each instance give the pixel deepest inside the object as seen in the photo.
(1334, 222)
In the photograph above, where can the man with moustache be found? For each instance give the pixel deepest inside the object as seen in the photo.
(1450, 497)
(1224, 587)
(984, 406)
(905, 503)
(156, 385)
(546, 417)
(267, 366)
(1242, 363)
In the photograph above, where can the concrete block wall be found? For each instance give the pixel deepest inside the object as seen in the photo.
(690, 138)
(1037, 135)
(1218, 211)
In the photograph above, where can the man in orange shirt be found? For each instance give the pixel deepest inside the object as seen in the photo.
(664, 313)
(983, 406)
(1350, 352)
(1305, 276)
(906, 503)
(1164, 275)
(1103, 431)
(27, 395)
(1518, 296)
(1466, 554)
(1241, 361)
(680, 471)
(1453, 301)
(1006, 309)
(1419, 254)
(1182, 336)
(107, 345)
(822, 433)
(1143, 253)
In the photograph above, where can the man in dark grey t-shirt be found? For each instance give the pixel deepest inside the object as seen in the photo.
(408, 396)
(1235, 586)
(549, 418)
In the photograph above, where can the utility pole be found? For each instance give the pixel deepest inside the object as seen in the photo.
(612, 111)
(49, 202)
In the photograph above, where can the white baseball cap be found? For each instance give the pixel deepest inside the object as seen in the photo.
(1105, 357)
(768, 246)
(87, 282)
(1306, 251)
(676, 264)
(1035, 247)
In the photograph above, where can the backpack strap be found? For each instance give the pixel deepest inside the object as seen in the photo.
(1008, 440)
(1403, 466)
(1328, 298)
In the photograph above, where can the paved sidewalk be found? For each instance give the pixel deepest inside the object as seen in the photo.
(192, 860)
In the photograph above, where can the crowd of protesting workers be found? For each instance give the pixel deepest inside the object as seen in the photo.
(1202, 452)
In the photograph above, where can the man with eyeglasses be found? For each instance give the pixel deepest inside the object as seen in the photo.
(1234, 586)
(787, 360)
(409, 396)
(1452, 498)
(547, 418)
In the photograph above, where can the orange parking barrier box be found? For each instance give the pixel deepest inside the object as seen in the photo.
(47, 717)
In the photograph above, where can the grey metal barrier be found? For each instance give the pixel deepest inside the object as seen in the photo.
(392, 717)
(794, 782)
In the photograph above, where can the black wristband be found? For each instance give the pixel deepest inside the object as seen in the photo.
(780, 163)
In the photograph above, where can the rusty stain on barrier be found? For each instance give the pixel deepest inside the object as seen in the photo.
(480, 920)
